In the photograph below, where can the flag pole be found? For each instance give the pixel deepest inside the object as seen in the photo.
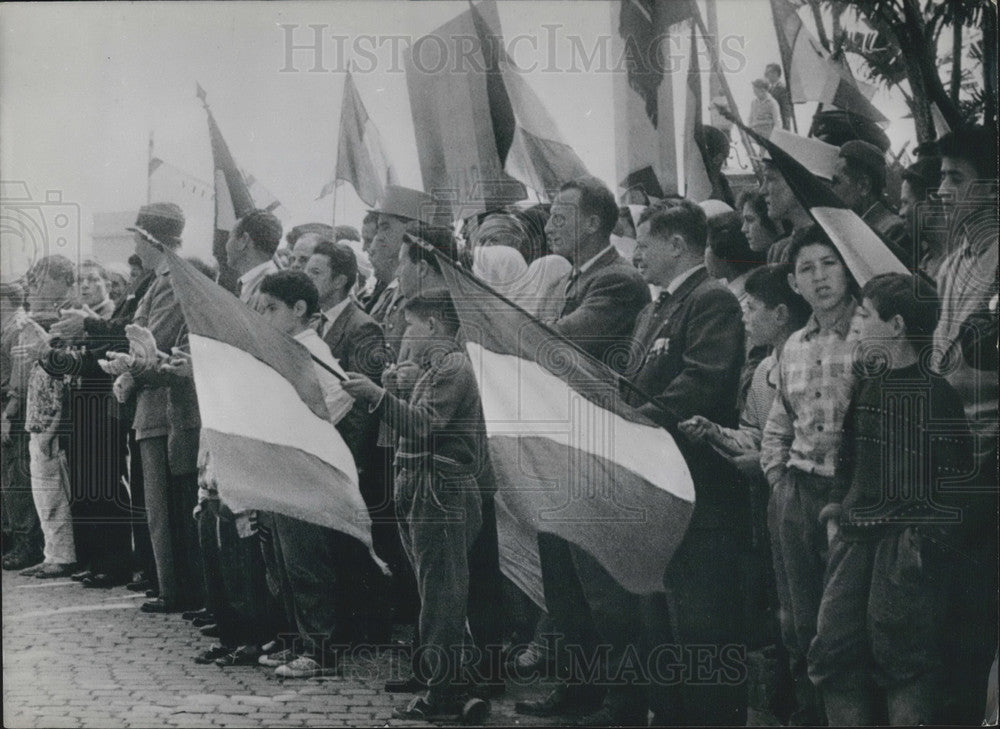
(717, 69)
(446, 261)
(149, 164)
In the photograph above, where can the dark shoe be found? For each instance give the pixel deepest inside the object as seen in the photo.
(33, 570)
(139, 586)
(158, 606)
(564, 699)
(216, 651)
(81, 576)
(55, 571)
(153, 592)
(202, 621)
(18, 560)
(209, 631)
(103, 580)
(409, 685)
(192, 614)
(245, 655)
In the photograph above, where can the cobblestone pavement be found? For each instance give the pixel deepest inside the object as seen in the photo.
(89, 658)
(74, 657)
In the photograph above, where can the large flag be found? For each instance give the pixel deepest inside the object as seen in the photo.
(865, 254)
(812, 75)
(263, 418)
(643, 24)
(697, 179)
(361, 159)
(232, 195)
(528, 142)
(570, 457)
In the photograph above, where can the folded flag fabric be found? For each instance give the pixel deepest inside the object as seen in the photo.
(264, 420)
(570, 457)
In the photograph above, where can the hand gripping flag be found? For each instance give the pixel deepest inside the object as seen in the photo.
(264, 420)
(570, 457)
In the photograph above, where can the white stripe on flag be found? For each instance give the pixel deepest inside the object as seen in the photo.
(864, 253)
(521, 397)
(240, 395)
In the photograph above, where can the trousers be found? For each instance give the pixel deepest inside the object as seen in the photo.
(50, 491)
(17, 508)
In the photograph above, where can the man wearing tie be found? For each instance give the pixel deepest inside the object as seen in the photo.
(250, 251)
(356, 341)
(604, 294)
(690, 342)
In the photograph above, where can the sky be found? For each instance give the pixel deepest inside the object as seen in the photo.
(83, 85)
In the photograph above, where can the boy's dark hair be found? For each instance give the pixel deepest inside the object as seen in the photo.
(810, 236)
(974, 144)
(773, 67)
(671, 216)
(909, 296)
(55, 267)
(263, 228)
(441, 239)
(436, 303)
(726, 239)
(134, 260)
(595, 199)
(924, 176)
(290, 287)
(770, 285)
(342, 260)
(863, 159)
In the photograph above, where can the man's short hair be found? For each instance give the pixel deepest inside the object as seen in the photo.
(436, 303)
(769, 284)
(864, 158)
(973, 144)
(595, 199)
(441, 239)
(726, 239)
(96, 266)
(342, 260)
(346, 232)
(290, 287)
(910, 296)
(56, 267)
(322, 229)
(263, 228)
(773, 67)
(678, 216)
(924, 175)
(760, 83)
(134, 260)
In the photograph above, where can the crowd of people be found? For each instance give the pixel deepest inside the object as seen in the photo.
(841, 436)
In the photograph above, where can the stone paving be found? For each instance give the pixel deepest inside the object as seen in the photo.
(74, 657)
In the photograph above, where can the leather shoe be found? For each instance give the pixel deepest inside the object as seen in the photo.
(210, 631)
(81, 576)
(102, 580)
(153, 592)
(245, 655)
(203, 621)
(139, 585)
(158, 606)
(55, 571)
(216, 651)
(192, 614)
(564, 699)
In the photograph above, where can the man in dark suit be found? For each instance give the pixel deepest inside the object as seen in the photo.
(604, 294)
(691, 345)
(356, 340)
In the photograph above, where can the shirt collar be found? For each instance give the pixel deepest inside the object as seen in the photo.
(330, 315)
(842, 326)
(589, 263)
(256, 272)
(671, 288)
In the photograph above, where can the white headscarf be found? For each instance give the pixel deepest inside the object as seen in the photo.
(500, 267)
